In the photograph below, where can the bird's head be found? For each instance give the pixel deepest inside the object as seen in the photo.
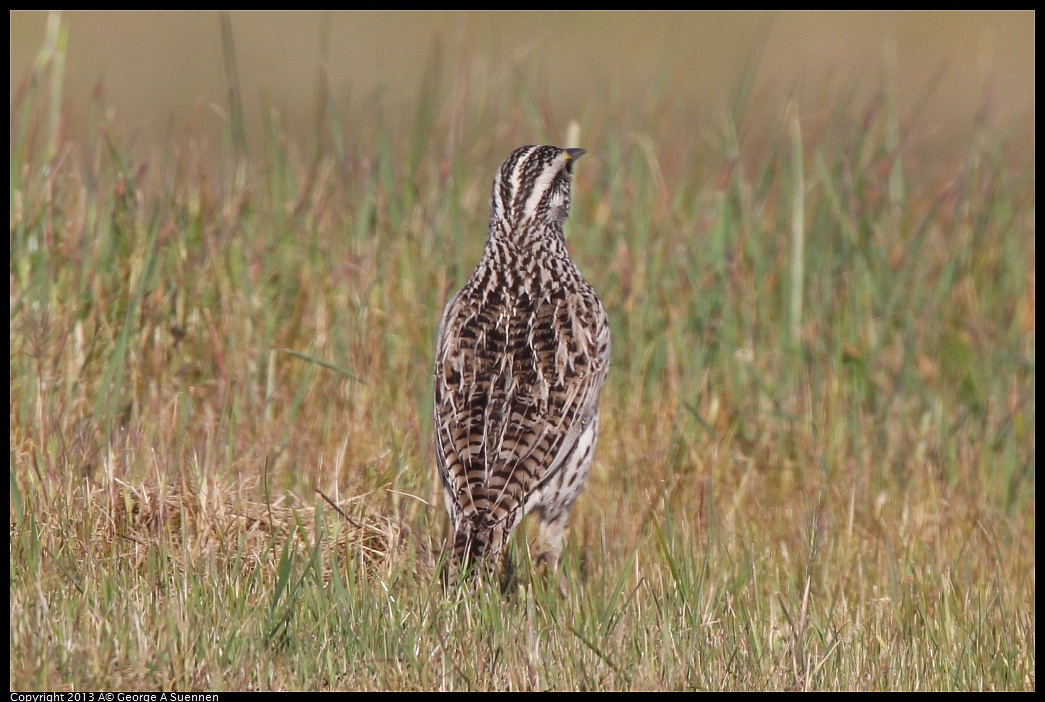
(532, 187)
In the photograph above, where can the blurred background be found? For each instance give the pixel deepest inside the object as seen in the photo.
(161, 75)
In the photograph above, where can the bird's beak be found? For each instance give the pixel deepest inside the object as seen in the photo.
(574, 154)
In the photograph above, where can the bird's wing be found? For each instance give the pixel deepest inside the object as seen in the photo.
(514, 390)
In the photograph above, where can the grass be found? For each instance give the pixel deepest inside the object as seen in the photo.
(813, 473)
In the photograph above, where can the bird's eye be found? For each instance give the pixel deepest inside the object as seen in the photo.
(569, 165)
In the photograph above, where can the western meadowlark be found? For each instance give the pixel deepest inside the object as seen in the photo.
(523, 351)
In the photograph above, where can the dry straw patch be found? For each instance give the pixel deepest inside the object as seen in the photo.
(192, 522)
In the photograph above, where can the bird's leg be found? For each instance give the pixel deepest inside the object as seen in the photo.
(550, 536)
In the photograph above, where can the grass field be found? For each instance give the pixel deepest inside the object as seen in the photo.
(817, 458)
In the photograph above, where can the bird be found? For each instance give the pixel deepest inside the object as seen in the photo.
(522, 354)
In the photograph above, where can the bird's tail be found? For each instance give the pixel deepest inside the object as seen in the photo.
(475, 539)
(479, 542)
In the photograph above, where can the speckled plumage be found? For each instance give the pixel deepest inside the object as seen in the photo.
(523, 351)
